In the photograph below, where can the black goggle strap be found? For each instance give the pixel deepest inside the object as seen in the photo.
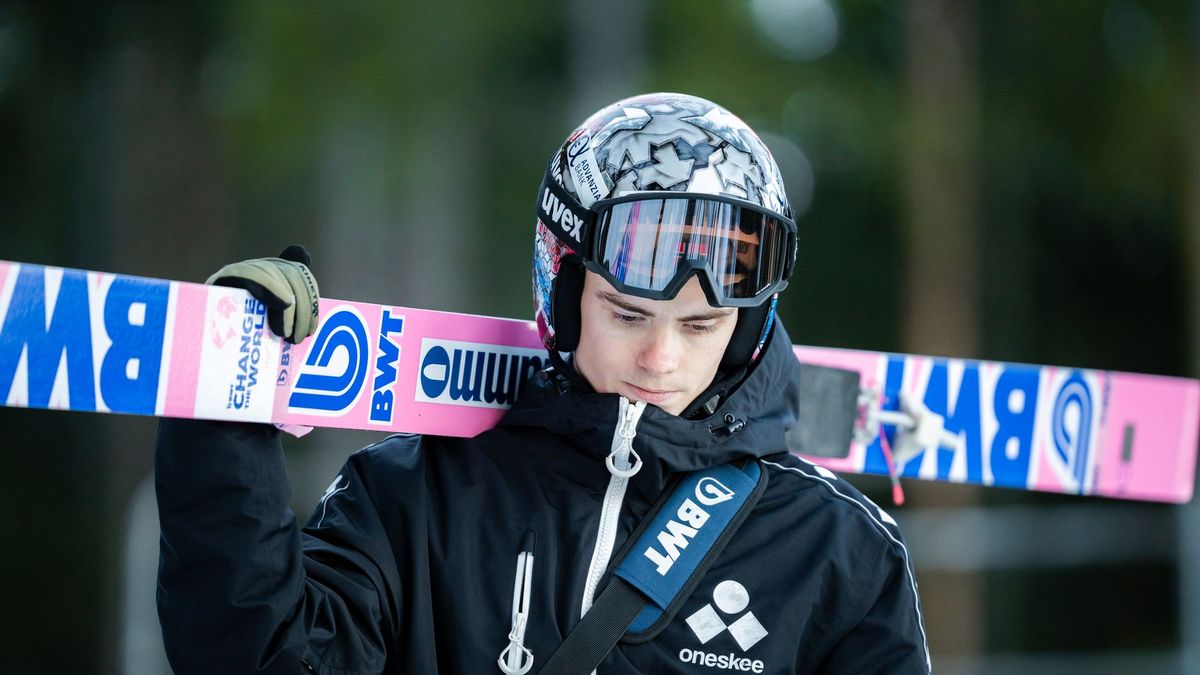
(565, 216)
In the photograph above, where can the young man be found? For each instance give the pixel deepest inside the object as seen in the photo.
(663, 238)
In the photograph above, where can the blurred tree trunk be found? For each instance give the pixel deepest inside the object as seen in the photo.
(153, 202)
(942, 242)
(398, 209)
(941, 246)
(606, 54)
(152, 162)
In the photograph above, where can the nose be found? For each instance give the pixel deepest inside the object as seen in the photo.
(660, 354)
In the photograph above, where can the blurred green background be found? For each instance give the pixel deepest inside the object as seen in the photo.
(1008, 180)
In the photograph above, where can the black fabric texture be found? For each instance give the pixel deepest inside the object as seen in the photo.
(597, 632)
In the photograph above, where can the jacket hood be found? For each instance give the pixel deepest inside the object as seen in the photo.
(751, 421)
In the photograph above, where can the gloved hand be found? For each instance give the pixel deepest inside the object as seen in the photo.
(284, 284)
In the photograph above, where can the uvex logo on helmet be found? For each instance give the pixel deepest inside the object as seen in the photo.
(570, 224)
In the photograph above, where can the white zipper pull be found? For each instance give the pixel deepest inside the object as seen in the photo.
(622, 449)
(517, 659)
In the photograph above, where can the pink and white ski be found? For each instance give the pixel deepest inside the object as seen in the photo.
(99, 342)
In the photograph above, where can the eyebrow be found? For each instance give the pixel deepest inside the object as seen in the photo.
(714, 313)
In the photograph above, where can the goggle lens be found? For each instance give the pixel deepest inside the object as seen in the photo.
(655, 244)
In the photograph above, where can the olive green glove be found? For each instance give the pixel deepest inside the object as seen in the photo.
(284, 284)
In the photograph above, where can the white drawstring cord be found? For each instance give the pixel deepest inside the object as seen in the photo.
(517, 659)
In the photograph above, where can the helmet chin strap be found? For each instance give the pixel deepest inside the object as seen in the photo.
(568, 376)
(746, 334)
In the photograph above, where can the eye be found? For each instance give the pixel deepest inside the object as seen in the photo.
(700, 328)
(624, 319)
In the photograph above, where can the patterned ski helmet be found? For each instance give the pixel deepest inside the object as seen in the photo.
(650, 145)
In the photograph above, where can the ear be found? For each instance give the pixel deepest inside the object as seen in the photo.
(564, 307)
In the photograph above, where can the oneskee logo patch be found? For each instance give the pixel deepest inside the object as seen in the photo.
(726, 613)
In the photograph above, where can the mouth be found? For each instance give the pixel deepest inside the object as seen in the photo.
(655, 396)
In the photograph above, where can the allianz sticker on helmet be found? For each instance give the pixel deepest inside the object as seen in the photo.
(585, 170)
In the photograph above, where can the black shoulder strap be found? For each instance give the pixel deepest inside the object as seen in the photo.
(685, 535)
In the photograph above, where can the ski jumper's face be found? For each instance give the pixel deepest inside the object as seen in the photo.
(663, 352)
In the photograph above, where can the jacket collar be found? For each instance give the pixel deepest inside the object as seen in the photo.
(751, 421)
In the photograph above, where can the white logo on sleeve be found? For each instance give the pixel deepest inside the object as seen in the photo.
(730, 598)
(334, 488)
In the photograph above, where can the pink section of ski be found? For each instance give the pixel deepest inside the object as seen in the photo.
(409, 414)
(190, 330)
(1045, 479)
(1042, 473)
(449, 326)
(1164, 414)
(3, 272)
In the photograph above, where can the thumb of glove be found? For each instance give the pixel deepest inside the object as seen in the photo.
(287, 288)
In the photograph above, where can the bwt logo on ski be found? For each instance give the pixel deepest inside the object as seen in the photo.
(241, 390)
(53, 334)
(690, 519)
(285, 361)
(383, 394)
(1002, 414)
(1071, 427)
(332, 376)
(480, 375)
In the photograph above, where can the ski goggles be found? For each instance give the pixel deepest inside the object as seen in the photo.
(649, 244)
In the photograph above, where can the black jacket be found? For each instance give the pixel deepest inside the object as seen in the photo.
(407, 564)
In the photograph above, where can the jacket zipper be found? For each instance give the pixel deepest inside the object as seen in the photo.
(621, 469)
